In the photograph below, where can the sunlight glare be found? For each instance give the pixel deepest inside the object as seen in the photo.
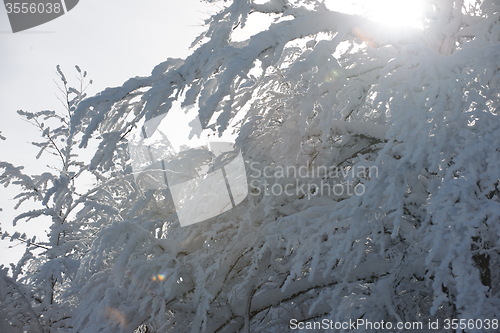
(397, 13)
(393, 13)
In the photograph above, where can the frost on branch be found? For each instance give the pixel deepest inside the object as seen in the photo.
(61, 196)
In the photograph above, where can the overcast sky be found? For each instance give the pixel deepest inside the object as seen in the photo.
(112, 40)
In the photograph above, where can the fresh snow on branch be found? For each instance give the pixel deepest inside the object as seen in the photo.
(318, 90)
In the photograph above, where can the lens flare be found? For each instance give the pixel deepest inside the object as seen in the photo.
(158, 278)
(116, 316)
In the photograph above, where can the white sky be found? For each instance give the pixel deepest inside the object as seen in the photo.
(112, 40)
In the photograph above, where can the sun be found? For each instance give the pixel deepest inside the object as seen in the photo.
(392, 13)
(396, 13)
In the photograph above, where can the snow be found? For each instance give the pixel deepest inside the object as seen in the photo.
(317, 89)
